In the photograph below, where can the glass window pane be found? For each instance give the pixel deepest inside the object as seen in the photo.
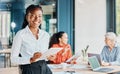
(4, 26)
(49, 18)
(118, 17)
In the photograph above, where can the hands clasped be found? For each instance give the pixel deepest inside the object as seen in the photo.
(105, 63)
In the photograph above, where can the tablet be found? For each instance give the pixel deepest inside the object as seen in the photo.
(49, 52)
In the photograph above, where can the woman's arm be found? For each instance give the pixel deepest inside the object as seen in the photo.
(15, 51)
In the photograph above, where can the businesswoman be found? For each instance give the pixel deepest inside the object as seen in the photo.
(60, 40)
(111, 51)
(30, 42)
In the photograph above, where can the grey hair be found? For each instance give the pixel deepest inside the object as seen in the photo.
(111, 35)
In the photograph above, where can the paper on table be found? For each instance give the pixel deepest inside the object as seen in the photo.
(73, 57)
(49, 52)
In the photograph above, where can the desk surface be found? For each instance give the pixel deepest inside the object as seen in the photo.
(85, 69)
(15, 70)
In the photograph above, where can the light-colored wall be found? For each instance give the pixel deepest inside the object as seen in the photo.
(90, 24)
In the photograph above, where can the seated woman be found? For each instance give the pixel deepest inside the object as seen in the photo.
(59, 40)
(111, 51)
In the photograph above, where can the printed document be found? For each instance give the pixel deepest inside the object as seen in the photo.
(75, 56)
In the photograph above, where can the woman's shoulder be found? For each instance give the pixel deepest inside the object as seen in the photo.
(55, 45)
(105, 48)
(20, 32)
(69, 45)
(117, 45)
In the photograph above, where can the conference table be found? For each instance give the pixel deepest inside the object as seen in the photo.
(57, 69)
(81, 69)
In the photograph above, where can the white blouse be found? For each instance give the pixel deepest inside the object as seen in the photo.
(26, 44)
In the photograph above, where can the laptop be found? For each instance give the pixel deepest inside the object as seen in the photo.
(97, 55)
(95, 65)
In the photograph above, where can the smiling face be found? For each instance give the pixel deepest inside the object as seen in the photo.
(64, 39)
(108, 41)
(34, 18)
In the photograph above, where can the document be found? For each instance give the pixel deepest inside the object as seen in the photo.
(49, 52)
(75, 56)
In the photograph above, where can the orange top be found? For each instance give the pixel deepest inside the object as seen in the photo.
(62, 55)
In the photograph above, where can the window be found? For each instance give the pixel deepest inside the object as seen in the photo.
(4, 26)
(118, 17)
(49, 19)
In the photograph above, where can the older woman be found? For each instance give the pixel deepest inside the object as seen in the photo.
(111, 51)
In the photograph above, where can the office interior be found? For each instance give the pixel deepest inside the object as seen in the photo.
(85, 21)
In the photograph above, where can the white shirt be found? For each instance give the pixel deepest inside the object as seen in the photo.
(26, 44)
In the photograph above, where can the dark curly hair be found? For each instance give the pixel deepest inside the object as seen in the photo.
(55, 38)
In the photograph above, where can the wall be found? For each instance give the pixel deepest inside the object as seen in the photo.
(65, 19)
(90, 24)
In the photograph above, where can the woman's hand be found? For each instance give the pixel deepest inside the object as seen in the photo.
(51, 57)
(105, 63)
(35, 56)
(73, 61)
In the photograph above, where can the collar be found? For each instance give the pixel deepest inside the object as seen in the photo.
(28, 30)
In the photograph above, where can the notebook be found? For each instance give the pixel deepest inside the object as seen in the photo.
(97, 55)
(95, 65)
